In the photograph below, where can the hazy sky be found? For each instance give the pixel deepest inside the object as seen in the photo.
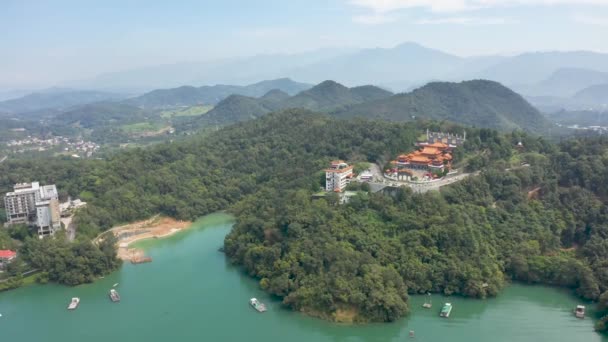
(43, 43)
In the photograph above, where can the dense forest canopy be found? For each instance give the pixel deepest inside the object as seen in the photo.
(535, 214)
(478, 103)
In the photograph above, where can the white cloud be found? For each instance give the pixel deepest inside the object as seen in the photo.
(386, 6)
(373, 19)
(472, 21)
(590, 19)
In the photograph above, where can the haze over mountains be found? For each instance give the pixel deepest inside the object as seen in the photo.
(65, 99)
(400, 68)
(56, 99)
(188, 95)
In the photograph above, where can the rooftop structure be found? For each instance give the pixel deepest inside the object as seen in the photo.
(338, 175)
(452, 140)
(31, 204)
(6, 256)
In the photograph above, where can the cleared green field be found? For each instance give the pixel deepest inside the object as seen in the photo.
(190, 111)
(141, 127)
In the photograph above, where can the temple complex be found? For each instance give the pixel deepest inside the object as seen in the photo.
(432, 157)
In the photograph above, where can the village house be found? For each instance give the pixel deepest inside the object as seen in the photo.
(6, 256)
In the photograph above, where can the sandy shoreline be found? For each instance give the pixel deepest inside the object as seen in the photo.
(154, 228)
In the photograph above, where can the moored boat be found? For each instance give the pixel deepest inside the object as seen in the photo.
(579, 312)
(114, 296)
(428, 303)
(446, 310)
(256, 304)
(74, 303)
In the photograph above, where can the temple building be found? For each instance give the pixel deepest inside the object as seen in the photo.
(338, 175)
(434, 157)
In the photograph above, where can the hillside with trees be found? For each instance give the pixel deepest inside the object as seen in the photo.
(190, 96)
(542, 223)
(326, 96)
(476, 103)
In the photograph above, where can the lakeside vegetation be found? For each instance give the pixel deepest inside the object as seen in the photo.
(544, 223)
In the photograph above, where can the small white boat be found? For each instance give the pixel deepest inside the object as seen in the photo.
(114, 296)
(579, 312)
(115, 285)
(74, 303)
(259, 306)
(446, 310)
(428, 303)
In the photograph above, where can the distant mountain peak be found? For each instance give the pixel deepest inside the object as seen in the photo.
(275, 95)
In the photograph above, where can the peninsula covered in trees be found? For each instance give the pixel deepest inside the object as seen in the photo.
(544, 223)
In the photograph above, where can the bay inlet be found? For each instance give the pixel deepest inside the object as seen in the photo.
(191, 292)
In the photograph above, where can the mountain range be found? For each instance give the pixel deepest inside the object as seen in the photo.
(477, 103)
(400, 68)
(591, 98)
(211, 95)
(326, 96)
(53, 101)
(56, 99)
(565, 82)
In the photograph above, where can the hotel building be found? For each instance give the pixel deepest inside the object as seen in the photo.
(34, 205)
(337, 176)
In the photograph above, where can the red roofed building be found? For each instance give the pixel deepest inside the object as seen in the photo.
(432, 157)
(6, 256)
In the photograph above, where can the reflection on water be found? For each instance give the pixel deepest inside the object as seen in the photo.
(191, 293)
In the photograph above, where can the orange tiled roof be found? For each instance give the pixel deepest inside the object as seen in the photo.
(419, 159)
(430, 151)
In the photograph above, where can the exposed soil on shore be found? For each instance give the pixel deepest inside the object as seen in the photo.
(156, 227)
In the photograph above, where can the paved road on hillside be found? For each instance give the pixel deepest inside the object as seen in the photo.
(379, 180)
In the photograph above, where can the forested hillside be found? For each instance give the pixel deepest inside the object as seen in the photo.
(469, 239)
(476, 103)
(205, 174)
(190, 96)
(326, 96)
(542, 223)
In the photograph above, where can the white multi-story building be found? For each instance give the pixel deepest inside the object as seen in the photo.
(338, 176)
(29, 203)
